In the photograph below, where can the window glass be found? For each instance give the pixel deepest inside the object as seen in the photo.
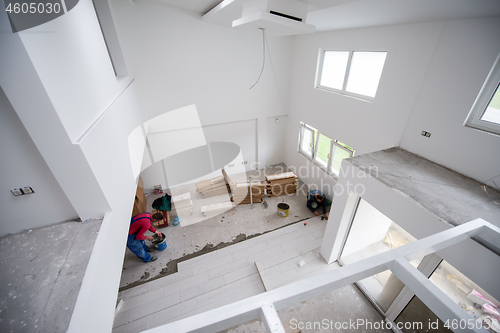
(334, 69)
(371, 233)
(364, 74)
(307, 141)
(323, 150)
(463, 291)
(338, 154)
(416, 317)
(485, 112)
(492, 112)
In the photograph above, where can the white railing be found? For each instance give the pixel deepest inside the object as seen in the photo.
(265, 305)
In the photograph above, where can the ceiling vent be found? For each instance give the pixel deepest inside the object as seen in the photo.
(286, 16)
(277, 17)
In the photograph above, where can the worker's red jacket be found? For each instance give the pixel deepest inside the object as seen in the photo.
(139, 224)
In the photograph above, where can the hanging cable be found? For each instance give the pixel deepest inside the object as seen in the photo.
(277, 85)
(263, 55)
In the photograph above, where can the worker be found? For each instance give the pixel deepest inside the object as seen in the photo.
(314, 199)
(139, 224)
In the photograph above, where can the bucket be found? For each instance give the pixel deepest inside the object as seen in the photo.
(161, 243)
(283, 209)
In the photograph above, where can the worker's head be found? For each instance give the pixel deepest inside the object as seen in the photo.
(319, 197)
(157, 217)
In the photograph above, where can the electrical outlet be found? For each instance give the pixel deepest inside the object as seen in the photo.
(426, 134)
(244, 162)
(27, 190)
(17, 191)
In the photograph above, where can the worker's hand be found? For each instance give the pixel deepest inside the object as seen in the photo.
(159, 233)
(316, 213)
(149, 238)
(325, 216)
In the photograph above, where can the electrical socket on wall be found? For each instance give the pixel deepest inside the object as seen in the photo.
(27, 190)
(426, 134)
(21, 191)
(17, 191)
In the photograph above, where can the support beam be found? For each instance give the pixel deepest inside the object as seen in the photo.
(272, 319)
(434, 298)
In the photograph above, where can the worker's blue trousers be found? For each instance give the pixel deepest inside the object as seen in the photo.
(138, 247)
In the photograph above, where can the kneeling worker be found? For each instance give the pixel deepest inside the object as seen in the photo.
(314, 199)
(138, 226)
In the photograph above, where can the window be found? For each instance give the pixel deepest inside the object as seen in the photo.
(339, 152)
(105, 18)
(306, 140)
(485, 113)
(353, 73)
(322, 150)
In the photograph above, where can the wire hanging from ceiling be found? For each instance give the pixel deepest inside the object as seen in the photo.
(263, 55)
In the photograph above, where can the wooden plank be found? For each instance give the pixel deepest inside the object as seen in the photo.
(279, 176)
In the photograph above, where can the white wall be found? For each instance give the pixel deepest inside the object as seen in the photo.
(180, 60)
(275, 139)
(200, 165)
(58, 80)
(465, 52)
(366, 126)
(23, 87)
(22, 165)
(185, 61)
(242, 133)
(74, 45)
(106, 149)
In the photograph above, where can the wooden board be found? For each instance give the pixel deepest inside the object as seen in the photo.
(279, 176)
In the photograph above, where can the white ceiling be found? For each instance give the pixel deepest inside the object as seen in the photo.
(347, 14)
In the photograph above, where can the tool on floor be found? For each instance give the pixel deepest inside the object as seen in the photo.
(264, 203)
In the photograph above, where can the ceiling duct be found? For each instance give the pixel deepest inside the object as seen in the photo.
(277, 17)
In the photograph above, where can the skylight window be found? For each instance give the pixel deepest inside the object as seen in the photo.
(353, 73)
(485, 113)
(492, 112)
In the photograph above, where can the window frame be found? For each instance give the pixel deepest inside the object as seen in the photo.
(303, 127)
(490, 86)
(314, 152)
(338, 145)
(319, 72)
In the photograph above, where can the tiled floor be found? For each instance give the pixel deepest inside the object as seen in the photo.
(224, 276)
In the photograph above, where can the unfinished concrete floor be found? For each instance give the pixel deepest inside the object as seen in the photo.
(234, 225)
(447, 194)
(42, 271)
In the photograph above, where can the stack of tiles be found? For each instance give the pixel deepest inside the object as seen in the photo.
(182, 205)
(281, 184)
(241, 192)
(212, 187)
